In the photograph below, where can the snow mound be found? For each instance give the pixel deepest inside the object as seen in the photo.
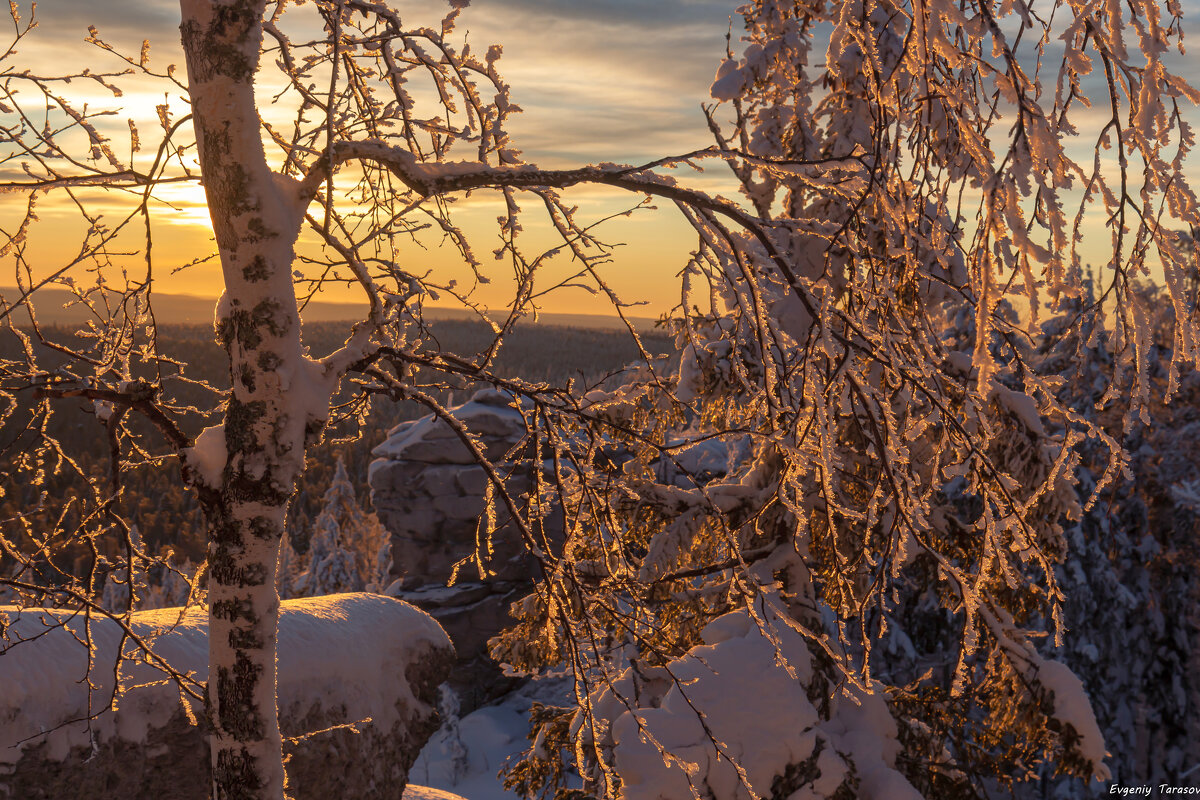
(742, 698)
(347, 653)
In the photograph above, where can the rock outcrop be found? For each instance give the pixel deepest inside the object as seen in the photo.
(428, 491)
(356, 659)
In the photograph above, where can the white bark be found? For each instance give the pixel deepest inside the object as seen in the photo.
(275, 406)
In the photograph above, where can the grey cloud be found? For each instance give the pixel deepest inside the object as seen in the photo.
(666, 39)
(611, 13)
(614, 80)
(148, 19)
(575, 138)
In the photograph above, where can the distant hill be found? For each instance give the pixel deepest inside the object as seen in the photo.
(59, 307)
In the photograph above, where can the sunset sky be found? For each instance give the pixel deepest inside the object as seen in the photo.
(610, 81)
(617, 80)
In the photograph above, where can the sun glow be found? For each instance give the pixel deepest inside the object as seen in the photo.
(182, 204)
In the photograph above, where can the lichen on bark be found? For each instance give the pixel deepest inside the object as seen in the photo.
(265, 435)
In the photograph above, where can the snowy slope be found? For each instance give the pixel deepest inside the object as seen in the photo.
(465, 756)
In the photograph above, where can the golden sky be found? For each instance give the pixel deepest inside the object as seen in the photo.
(613, 80)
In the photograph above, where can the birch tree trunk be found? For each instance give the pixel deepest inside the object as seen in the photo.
(256, 220)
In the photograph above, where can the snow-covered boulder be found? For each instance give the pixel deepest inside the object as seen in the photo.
(352, 659)
(429, 793)
(471, 613)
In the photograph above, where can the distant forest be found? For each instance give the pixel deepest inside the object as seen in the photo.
(168, 517)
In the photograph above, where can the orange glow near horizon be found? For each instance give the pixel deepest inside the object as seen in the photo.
(650, 248)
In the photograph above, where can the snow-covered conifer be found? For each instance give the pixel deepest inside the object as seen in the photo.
(290, 567)
(171, 586)
(1128, 576)
(345, 546)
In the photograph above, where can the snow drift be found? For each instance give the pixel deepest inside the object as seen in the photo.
(359, 660)
(733, 719)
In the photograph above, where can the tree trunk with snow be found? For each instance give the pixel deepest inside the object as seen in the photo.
(245, 492)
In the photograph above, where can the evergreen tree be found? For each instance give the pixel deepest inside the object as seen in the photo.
(114, 597)
(1129, 574)
(345, 544)
(289, 567)
(172, 586)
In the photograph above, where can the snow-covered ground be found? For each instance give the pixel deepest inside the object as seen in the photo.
(463, 758)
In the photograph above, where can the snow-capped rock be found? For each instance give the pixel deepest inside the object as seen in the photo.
(359, 660)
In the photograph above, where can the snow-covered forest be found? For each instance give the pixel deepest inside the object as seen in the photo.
(899, 497)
